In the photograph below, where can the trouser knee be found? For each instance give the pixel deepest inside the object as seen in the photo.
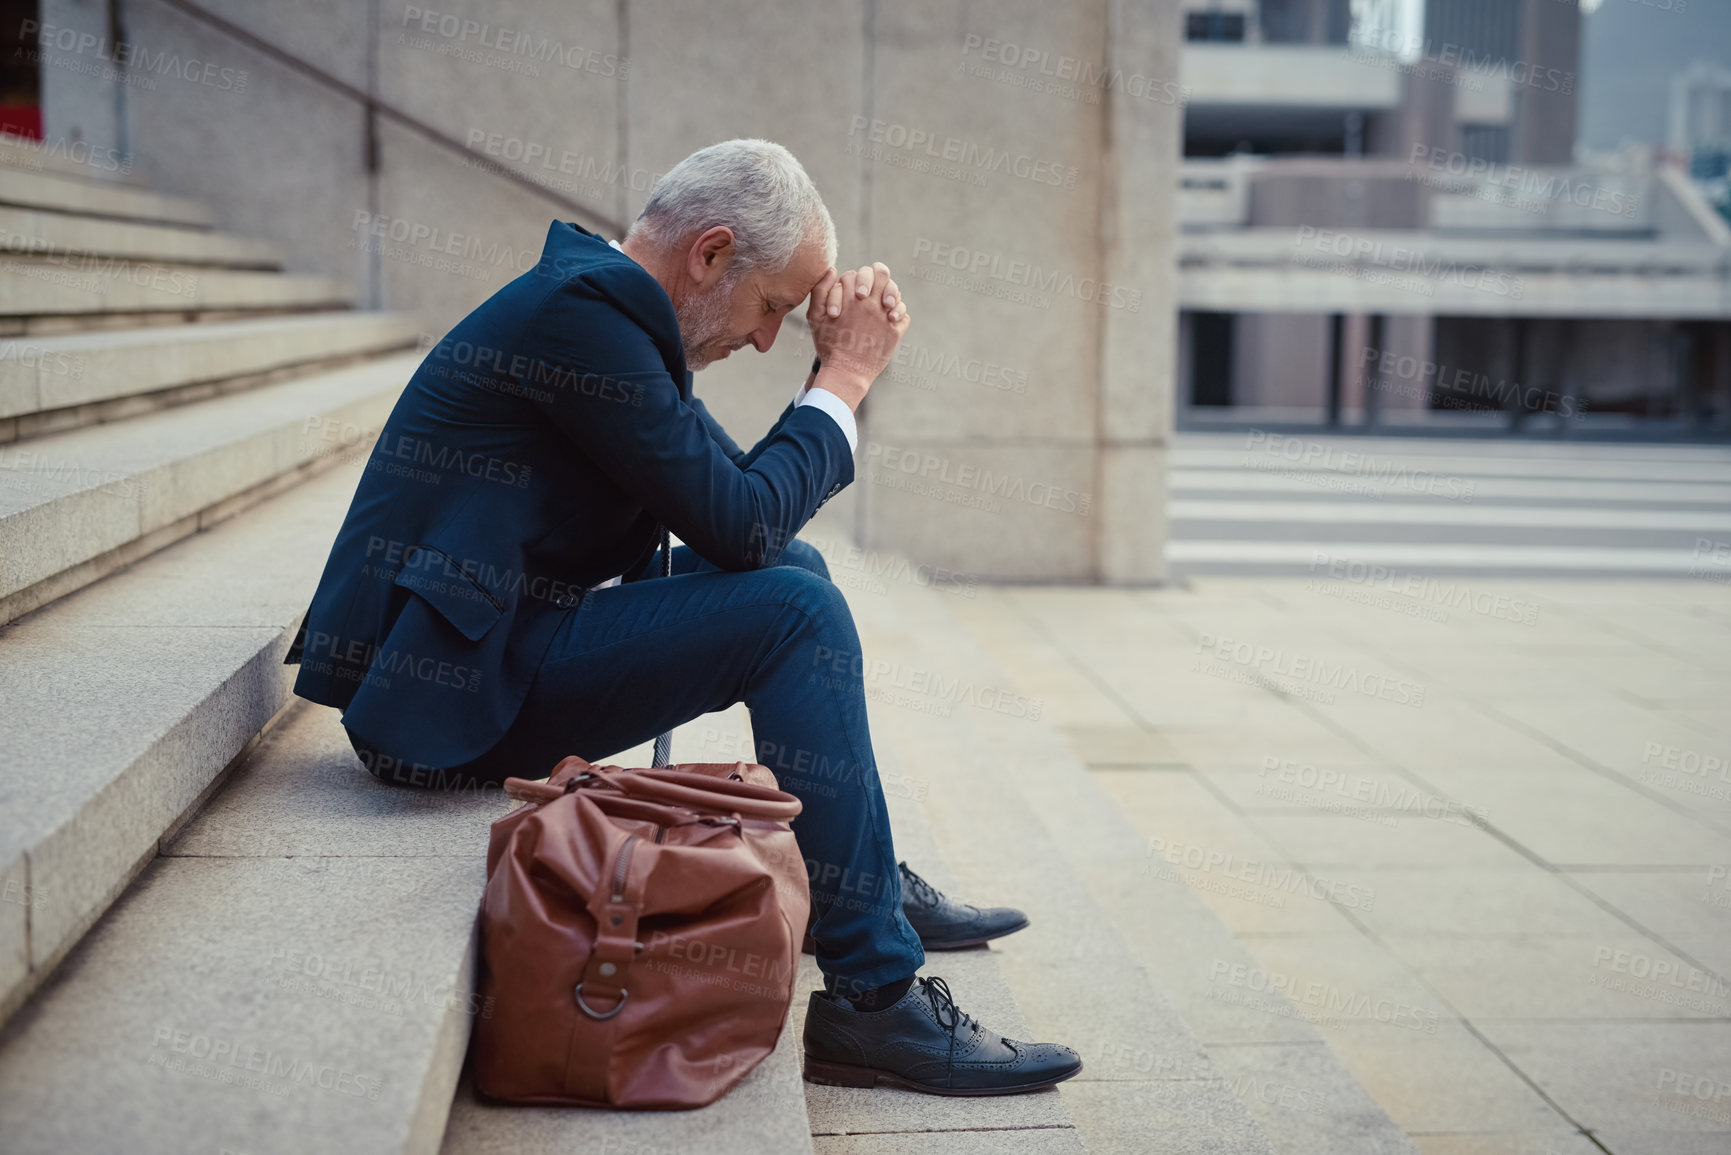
(804, 556)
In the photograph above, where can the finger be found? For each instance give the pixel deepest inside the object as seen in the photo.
(834, 298)
(881, 279)
(820, 293)
(892, 294)
(863, 285)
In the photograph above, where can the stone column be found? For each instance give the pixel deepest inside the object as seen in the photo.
(1019, 164)
(1138, 235)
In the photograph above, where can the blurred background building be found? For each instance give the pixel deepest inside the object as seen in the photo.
(1405, 214)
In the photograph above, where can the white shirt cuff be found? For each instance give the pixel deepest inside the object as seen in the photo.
(836, 408)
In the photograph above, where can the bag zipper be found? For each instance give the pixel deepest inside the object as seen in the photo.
(623, 867)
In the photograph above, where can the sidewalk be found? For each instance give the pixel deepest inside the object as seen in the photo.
(1480, 838)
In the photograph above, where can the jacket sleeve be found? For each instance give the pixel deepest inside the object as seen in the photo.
(728, 445)
(763, 443)
(616, 401)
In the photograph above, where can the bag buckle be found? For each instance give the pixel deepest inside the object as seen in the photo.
(599, 1016)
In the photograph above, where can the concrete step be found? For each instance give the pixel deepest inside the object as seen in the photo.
(56, 382)
(294, 973)
(764, 1115)
(38, 231)
(82, 286)
(59, 190)
(1260, 1049)
(75, 506)
(1105, 965)
(77, 159)
(121, 705)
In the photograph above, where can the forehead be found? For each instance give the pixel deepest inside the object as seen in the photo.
(802, 273)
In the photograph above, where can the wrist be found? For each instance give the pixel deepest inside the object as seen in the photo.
(847, 384)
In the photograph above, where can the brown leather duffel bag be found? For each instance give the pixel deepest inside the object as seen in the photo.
(640, 935)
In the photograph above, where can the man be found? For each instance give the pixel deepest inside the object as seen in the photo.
(483, 612)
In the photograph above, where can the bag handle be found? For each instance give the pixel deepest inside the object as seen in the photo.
(679, 787)
(701, 791)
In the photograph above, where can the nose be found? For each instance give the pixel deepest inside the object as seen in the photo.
(764, 335)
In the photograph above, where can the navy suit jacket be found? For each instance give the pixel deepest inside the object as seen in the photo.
(531, 456)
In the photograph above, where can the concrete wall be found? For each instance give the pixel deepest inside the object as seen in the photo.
(1022, 434)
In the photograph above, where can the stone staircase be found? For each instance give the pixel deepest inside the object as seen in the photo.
(219, 934)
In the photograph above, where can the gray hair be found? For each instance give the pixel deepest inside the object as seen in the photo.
(754, 187)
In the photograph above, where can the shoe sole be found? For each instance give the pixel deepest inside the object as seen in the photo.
(964, 943)
(810, 947)
(846, 1075)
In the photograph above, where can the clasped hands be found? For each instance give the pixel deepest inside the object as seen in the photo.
(857, 318)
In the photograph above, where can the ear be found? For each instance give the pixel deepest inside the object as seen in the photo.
(710, 255)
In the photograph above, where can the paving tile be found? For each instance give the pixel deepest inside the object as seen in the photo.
(1559, 978)
(1659, 1078)
(1330, 841)
(1447, 1081)
(1581, 817)
(1498, 901)
(1370, 792)
(1162, 1118)
(1043, 1141)
(1621, 1140)
(1710, 952)
(1194, 841)
(1673, 757)
(1692, 901)
(1306, 1103)
(1452, 733)
(1560, 1142)
(1118, 745)
(1345, 979)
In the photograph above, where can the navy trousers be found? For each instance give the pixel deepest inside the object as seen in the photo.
(643, 657)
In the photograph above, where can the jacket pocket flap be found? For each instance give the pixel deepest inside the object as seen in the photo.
(458, 597)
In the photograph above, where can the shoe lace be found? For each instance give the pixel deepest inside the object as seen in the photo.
(950, 1017)
(924, 892)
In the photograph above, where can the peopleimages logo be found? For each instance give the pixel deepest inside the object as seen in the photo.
(1310, 456)
(955, 150)
(1290, 672)
(460, 31)
(134, 60)
(1389, 45)
(1528, 189)
(1360, 251)
(1060, 75)
(1025, 274)
(890, 463)
(79, 152)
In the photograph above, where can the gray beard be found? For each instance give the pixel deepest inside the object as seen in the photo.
(702, 320)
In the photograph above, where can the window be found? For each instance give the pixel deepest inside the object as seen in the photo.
(1228, 26)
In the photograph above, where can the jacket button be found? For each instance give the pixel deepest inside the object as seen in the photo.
(565, 601)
